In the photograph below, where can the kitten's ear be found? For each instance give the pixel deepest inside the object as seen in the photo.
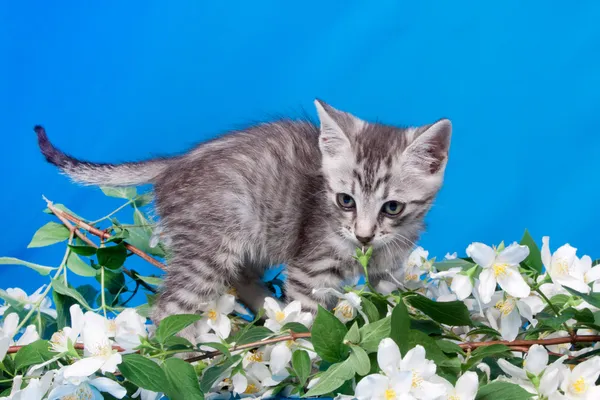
(430, 146)
(337, 129)
(332, 140)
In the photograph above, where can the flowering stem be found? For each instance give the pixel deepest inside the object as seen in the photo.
(107, 216)
(102, 291)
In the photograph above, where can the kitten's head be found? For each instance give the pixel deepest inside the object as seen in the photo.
(381, 180)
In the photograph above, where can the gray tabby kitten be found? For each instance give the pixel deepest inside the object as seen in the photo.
(283, 192)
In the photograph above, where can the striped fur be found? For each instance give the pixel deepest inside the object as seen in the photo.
(266, 195)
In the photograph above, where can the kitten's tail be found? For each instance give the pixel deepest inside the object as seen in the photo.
(88, 173)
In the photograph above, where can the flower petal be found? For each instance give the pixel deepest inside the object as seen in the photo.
(271, 307)
(281, 355)
(84, 367)
(294, 307)
(487, 285)
(388, 356)
(109, 386)
(513, 283)
(549, 382)
(239, 382)
(537, 359)
(593, 274)
(4, 344)
(511, 369)
(467, 385)
(482, 254)
(110, 365)
(513, 254)
(226, 304)
(509, 325)
(372, 386)
(565, 252)
(462, 286)
(546, 255)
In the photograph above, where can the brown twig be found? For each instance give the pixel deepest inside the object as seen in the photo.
(63, 217)
(528, 343)
(291, 336)
(78, 346)
(102, 234)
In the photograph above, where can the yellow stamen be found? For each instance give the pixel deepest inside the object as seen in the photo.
(232, 291)
(505, 307)
(251, 389)
(390, 394)
(561, 267)
(279, 316)
(256, 356)
(212, 314)
(411, 277)
(579, 386)
(345, 310)
(500, 269)
(416, 380)
(454, 397)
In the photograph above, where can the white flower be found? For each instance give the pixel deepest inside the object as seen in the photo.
(562, 348)
(465, 389)
(9, 330)
(416, 265)
(500, 268)
(84, 387)
(535, 365)
(561, 266)
(382, 387)
(60, 340)
(422, 370)
(460, 284)
(145, 394)
(97, 350)
(281, 354)
(215, 315)
(348, 305)
(130, 327)
(506, 314)
(29, 336)
(36, 388)
(277, 318)
(28, 301)
(580, 383)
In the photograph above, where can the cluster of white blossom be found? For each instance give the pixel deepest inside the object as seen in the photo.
(490, 283)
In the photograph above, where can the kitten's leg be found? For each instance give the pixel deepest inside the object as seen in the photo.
(304, 281)
(189, 284)
(252, 292)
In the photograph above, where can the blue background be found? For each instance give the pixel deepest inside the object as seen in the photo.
(116, 81)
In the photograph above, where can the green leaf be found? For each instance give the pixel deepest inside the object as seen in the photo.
(296, 327)
(88, 292)
(114, 281)
(151, 280)
(80, 267)
(332, 379)
(327, 336)
(217, 346)
(449, 347)
(85, 251)
(210, 375)
(144, 310)
(370, 310)
(144, 372)
(62, 208)
(179, 342)
(534, 259)
(59, 286)
(34, 353)
(182, 380)
(302, 365)
(353, 335)
(120, 192)
(143, 199)
(62, 304)
(494, 350)
(502, 390)
(112, 257)
(593, 298)
(455, 263)
(453, 313)
(40, 269)
(432, 350)
(253, 334)
(400, 326)
(139, 236)
(359, 360)
(371, 335)
(174, 324)
(48, 234)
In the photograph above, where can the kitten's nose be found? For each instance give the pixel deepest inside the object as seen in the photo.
(364, 239)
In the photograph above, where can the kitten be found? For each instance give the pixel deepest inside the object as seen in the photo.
(285, 192)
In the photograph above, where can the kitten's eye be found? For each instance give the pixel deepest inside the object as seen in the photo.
(392, 208)
(345, 201)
